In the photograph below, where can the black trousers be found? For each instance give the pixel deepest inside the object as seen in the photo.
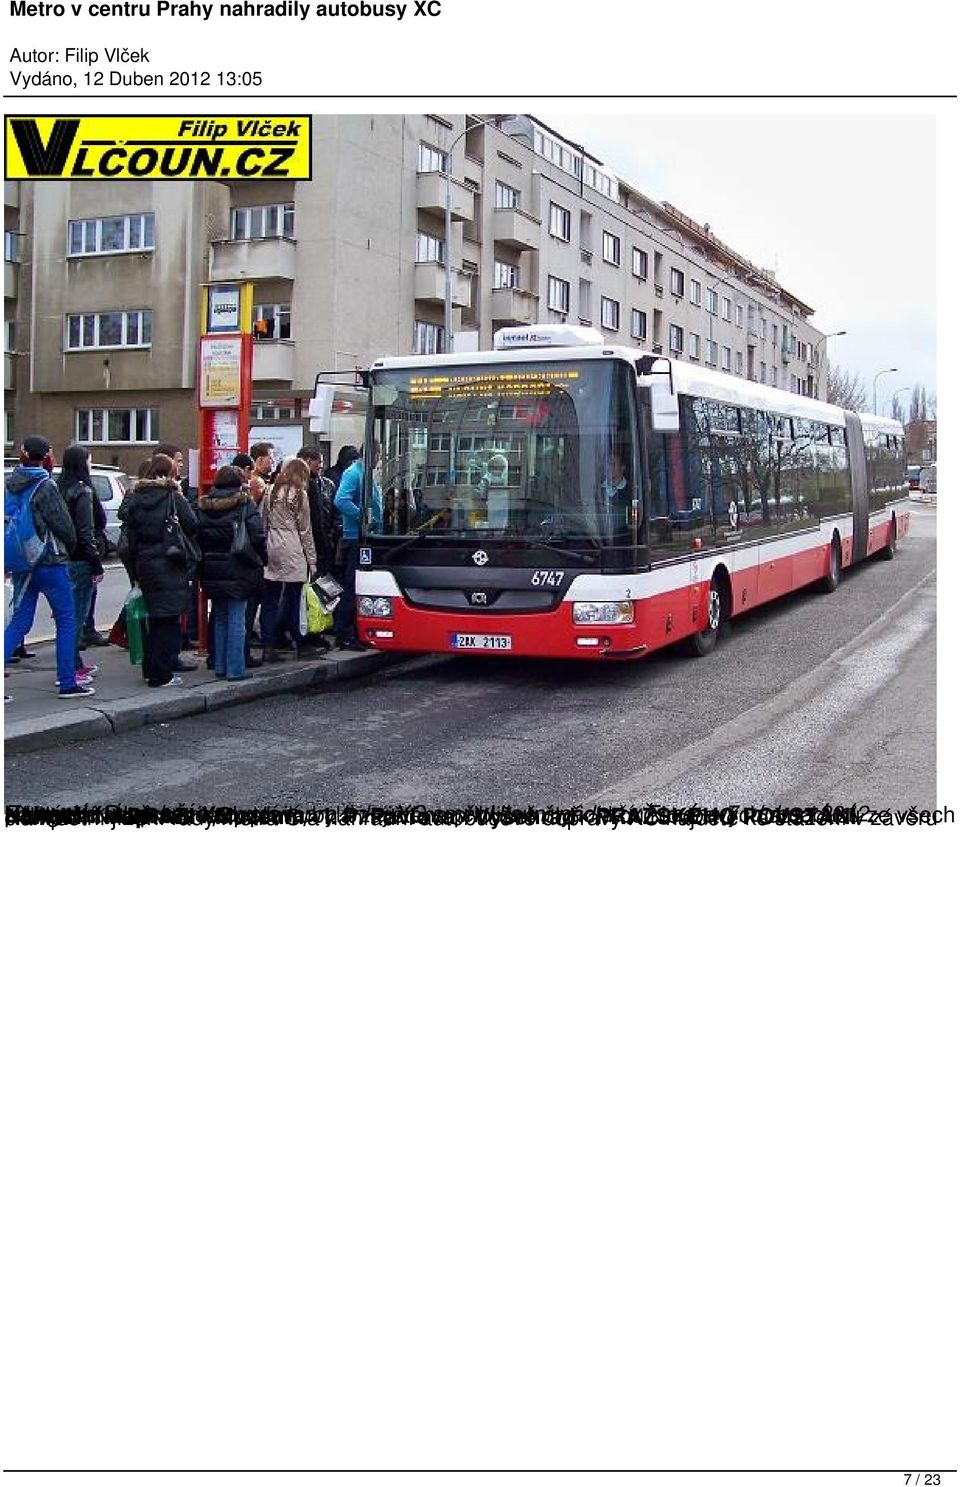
(161, 650)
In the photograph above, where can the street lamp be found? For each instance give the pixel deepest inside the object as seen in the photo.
(885, 373)
(447, 241)
(828, 336)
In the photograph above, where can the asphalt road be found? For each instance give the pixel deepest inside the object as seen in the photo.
(815, 698)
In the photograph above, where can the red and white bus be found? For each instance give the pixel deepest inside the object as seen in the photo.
(561, 497)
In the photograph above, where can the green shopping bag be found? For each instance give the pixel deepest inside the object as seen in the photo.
(135, 608)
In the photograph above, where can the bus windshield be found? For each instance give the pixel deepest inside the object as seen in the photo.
(543, 450)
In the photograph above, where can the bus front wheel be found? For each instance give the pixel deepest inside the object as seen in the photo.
(705, 640)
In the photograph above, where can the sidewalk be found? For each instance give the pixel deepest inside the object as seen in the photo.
(38, 719)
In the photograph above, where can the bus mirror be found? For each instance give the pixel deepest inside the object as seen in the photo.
(664, 408)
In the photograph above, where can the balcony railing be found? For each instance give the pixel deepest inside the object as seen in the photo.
(516, 228)
(429, 283)
(274, 361)
(432, 195)
(517, 305)
(253, 258)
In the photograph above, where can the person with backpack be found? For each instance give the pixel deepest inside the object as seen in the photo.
(232, 566)
(85, 568)
(39, 539)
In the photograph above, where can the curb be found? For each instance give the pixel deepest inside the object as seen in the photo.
(29, 735)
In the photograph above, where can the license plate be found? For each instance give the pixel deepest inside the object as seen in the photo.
(460, 642)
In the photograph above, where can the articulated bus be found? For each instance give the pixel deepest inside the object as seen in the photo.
(561, 497)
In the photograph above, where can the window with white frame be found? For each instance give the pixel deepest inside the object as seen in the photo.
(710, 353)
(696, 292)
(558, 295)
(609, 313)
(505, 275)
(10, 335)
(559, 221)
(272, 322)
(739, 363)
(250, 223)
(773, 376)
(429, 248)
(724, 308)
(93, 235)
(638, 324)
(11, 247)
(763, 371)
(430, 158)
(693, 346)
(676, 282)
(506, 196)
(117, 425)
(427, 338)
(640, 262)
(711, 301)
(763, 327)
(725, 358)
(773, 331)
(611, 248)
(109, 328)
(675, 338)
(738, 316)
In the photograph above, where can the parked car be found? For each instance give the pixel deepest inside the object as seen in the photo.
(913, 476)
(928, 480)
(110, 484)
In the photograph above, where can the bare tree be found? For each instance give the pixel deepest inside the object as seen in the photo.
(845, 389)
(918, 404)
(897, 410)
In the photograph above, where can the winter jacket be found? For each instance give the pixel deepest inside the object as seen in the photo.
(79, 500)
(165, 580)
(223, 575)
(50, 513)
(349, 501)
(324, 520)
(290, 549)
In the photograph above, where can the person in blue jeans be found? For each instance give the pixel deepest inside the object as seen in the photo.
(50, 576)
(230, 576)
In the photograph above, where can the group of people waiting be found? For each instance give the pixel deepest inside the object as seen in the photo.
(251, 541)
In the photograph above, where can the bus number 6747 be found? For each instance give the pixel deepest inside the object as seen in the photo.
(550, 578)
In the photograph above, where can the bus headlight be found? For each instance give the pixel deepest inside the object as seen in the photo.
(593, 612)
(382, 608)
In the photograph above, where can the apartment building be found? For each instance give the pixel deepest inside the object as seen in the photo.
(351, 265)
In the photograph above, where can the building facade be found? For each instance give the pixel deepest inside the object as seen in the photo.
(105, 276)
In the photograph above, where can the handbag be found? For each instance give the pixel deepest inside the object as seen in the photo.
(328, 591)
(179, 546)
(241, 547)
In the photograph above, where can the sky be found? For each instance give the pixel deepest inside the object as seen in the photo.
(841, 206)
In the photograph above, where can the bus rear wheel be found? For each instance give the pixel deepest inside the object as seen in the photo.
(831, 582)
(890, 551)
(705, 640)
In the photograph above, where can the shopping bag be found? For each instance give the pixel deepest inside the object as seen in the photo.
(135, 610)
(318, 617)
(328, 591)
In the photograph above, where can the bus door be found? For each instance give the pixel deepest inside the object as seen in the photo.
(858, 485)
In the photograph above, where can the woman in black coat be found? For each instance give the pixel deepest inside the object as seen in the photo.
(150, 515)
(231, 568)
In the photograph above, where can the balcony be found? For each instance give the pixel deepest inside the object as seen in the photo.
(10, 280)
(253, 258)
(432, 196)
(515, 228)
(9, 372)
(429, 283)
(516, 305)
(273, 361)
